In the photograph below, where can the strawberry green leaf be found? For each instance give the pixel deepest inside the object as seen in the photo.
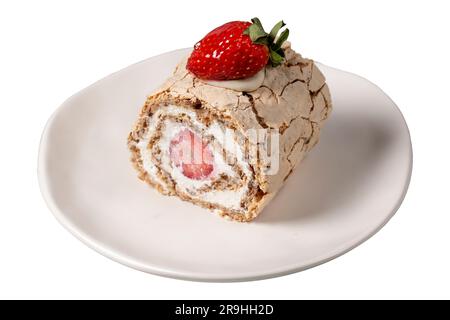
(283, 37)
(257, 22)
(274, 32)
(280, 52)
(263, 41)
(255, 32)
(275, 58)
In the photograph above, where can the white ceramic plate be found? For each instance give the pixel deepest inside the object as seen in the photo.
(344, 191)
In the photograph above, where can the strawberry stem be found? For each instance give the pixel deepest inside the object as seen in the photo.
(258, 35)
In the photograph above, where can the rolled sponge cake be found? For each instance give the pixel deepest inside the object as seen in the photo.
(244, 144)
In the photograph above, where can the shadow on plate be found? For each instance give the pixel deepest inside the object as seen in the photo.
(334, 171)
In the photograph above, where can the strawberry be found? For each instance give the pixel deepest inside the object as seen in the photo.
(237, 50)
(192, 155)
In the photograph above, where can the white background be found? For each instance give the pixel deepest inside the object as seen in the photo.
(51, 49)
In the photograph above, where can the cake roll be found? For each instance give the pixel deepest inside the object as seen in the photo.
(226, 149)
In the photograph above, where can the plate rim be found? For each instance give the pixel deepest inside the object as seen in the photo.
(192, 276)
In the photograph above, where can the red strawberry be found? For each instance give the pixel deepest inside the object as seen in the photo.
(190, 153)
(236, 50)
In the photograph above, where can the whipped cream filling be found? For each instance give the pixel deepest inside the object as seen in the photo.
(247, 85)
(228, 198)
(171, 129)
